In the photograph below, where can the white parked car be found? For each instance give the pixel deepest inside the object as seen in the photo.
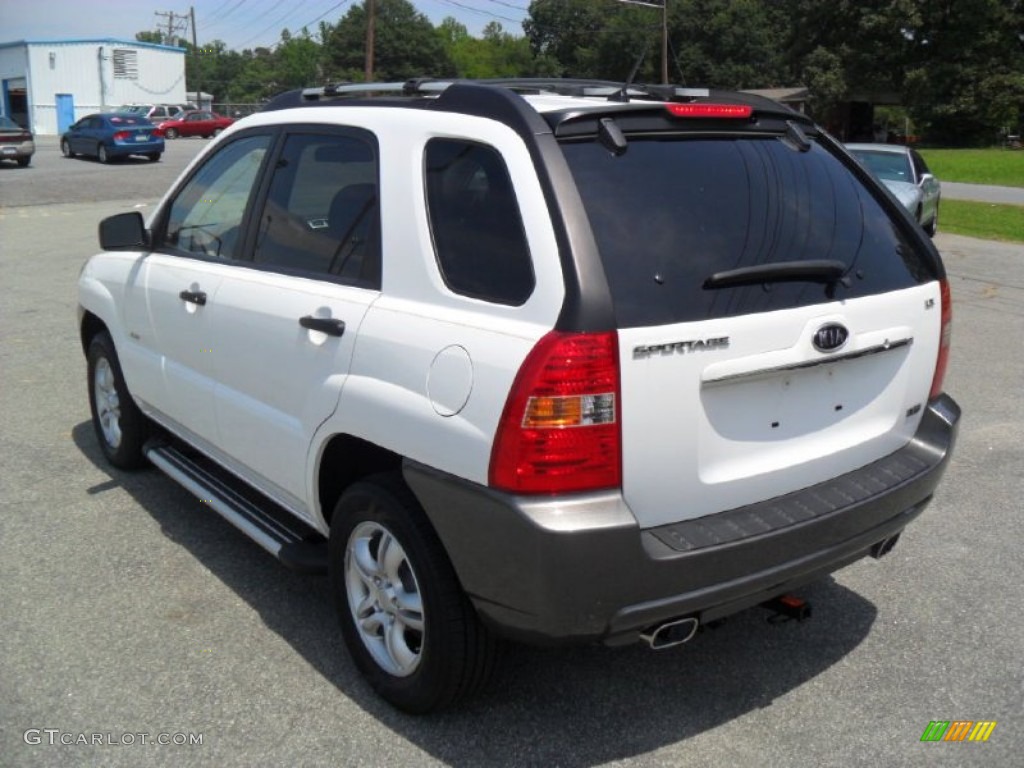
(906, 174)
(559, 361)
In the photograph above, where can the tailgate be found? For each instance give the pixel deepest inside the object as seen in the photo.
(723, 413)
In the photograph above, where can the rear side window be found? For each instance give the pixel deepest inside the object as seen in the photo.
(671, 212)
(474, 218)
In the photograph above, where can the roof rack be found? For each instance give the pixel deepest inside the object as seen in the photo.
(424, 90)
(428, 86)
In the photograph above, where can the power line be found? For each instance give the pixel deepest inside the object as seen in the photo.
(222, 14)
(480, 11)
(252, 20)
(300, 26)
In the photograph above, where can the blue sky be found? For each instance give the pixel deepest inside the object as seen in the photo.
(239, 23)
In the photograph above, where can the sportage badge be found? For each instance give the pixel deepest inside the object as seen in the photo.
(830, 337)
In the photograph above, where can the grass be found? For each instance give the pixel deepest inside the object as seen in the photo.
(983, 220)
(1002, 167)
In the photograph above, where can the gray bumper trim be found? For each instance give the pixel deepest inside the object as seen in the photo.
(580, 568)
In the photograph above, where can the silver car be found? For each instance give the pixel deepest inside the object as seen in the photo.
(906, 175)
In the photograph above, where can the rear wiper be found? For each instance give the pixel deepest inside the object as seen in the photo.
(828, 271)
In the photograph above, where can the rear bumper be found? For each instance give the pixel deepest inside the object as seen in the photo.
(12, 150)
(123, 149)
(576, 569)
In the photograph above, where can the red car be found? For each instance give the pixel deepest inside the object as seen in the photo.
(194, 123)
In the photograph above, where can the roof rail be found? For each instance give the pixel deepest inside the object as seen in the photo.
(429, 87)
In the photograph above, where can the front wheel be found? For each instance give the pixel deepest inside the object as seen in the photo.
(65, 148)
(408, 625)
(120, 426)
(217, 132)
(933, 225)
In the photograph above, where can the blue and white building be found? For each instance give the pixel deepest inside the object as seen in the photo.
(46, 85)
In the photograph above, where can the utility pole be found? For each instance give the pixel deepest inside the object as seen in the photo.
(370, 14)
(663, 5)
(172, 25)
(195, 58)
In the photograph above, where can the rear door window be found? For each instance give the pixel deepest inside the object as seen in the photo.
(670, 212)
(321, 216)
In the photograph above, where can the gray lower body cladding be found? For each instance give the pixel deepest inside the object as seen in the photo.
(581, 569)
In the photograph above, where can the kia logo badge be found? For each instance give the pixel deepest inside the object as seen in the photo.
(830, 337)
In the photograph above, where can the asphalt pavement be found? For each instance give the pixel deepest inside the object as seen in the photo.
(128, 610)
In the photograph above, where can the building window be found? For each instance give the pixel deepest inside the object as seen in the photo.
(126, 64)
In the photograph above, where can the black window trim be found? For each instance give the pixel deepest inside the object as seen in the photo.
(247, 228)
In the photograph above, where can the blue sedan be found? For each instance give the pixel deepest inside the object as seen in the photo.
(110, 135)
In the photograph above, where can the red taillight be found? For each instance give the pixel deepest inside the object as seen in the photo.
(736, 111)
(560, 430)
(121, 136)
(944, 339)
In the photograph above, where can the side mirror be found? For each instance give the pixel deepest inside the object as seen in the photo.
(123, 232)
(925, 178)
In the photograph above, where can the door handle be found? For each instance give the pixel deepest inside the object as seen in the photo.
(193, 297)
(332, 326)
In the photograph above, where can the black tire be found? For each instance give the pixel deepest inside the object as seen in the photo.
(153, 157)
(65, 148)
(217, 132)
(124, 450)
(170, 133)
(933, 225)
(24, 161)
(101, 154)
(454, 653)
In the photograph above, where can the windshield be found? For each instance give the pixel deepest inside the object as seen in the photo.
(887, 166)
(670, 212)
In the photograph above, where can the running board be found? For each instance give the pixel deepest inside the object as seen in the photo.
(273, 528)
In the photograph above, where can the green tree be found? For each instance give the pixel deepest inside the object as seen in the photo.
(965, 77)
(406, 44)
(298, 60)
(148, 36)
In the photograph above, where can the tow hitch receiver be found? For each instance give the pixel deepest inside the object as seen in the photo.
(786, 608)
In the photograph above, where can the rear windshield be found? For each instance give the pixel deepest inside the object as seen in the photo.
(670, 212)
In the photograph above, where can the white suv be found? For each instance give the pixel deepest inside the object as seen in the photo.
(558, 361)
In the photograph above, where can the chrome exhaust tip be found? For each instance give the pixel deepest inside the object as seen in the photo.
(675, 632)
(884, 547)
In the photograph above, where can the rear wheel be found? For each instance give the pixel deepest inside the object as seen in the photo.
(24, 161)
(153, 156)
(170, 133)
(411, 630)
(101, 154)
(120, 426)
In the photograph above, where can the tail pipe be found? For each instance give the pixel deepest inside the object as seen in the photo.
(884, 547)
(675, 632)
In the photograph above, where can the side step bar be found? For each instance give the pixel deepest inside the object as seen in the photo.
(295, 545)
